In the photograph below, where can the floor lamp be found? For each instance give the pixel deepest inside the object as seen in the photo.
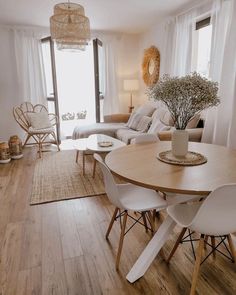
(131, 86)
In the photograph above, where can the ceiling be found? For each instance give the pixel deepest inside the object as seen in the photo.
(131, 16)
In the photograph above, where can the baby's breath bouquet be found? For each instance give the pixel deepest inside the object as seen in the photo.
(185, 96)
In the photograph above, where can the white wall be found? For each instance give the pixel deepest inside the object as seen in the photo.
(155, 36)
(128, 67)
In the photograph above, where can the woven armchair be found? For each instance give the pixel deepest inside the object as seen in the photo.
(40, 136)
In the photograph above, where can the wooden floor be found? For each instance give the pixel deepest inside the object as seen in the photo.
(59, 248)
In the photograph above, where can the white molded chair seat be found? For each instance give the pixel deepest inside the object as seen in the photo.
(183, 214)
(136, 198)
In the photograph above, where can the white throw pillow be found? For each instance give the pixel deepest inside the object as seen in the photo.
(134, 120)
(144, 124)
(157, 126)
(39, 120)
(145, 110)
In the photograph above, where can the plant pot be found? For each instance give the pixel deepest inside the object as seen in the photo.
(180, 143)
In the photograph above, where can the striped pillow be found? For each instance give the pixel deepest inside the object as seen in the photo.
(134, 121)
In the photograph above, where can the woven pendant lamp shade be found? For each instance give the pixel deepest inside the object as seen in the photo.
(69, 26)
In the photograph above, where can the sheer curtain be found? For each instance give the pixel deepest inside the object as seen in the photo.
(179, 44)
(111, 99)
(29, 66)
(183, 46)
(220, 122)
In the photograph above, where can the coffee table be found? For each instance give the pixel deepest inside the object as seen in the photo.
(90, 145)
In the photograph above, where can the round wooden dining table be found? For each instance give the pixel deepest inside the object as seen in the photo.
(138, 164)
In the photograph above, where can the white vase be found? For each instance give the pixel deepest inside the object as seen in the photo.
(180, 143)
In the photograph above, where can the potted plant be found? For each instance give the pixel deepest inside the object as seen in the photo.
(184, 97)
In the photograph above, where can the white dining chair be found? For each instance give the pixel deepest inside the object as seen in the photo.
(145, 138)
(125, 198)
(214, 217)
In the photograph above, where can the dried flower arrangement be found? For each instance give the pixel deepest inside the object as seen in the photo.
(185, 96)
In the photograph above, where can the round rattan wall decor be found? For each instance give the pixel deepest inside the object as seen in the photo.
(151, 66)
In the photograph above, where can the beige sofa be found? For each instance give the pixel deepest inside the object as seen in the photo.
(116, 126)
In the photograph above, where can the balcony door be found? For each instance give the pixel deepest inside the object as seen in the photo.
(73, 85)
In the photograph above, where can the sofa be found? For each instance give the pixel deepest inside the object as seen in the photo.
(147, 118)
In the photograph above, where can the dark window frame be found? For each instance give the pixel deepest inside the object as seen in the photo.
(203, 23)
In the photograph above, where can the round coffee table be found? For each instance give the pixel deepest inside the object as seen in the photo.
(90, 145)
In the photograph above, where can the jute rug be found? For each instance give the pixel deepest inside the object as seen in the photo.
(58, 177)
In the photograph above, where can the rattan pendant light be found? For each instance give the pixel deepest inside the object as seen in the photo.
(69, 26)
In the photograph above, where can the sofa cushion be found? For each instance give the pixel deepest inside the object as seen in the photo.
(145, 109)
(193, 123)
(157, 126)
(126, 134)
(159, 114)
(97, 128)
(39, 120)
(134, 120)
(144, 124)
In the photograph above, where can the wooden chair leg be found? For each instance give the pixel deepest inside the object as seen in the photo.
(122, 235)
(94, 167)
(197, 264)
(83, 156)
(205, 241)
(176, 244)
(152, 223)
(144, 220)
(112, 222)
(213, 244)
(26, 140)
(77, 157)
(231, 246)
(154, 215)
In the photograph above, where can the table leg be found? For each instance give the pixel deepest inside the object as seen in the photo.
(77, 156)
(94, 167)
(83, 154)
(151, 250)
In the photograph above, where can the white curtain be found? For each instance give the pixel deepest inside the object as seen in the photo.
(111, 98)
(29, 66)
(183, 43)
(220, 122)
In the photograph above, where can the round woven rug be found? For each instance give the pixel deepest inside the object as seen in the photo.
(191, 159)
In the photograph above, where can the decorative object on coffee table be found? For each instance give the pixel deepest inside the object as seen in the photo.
(15, 146)
(5, 156)
(185, 97)
(151, 66)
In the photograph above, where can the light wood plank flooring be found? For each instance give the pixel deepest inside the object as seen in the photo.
(59, 248)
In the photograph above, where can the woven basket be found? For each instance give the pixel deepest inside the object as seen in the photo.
(15, 146)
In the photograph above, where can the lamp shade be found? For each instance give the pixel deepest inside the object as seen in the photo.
(131, 85)
(69, 26)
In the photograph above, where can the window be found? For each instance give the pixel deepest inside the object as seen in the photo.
(202, 47)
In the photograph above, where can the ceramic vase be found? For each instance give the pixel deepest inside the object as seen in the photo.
(180, 143)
